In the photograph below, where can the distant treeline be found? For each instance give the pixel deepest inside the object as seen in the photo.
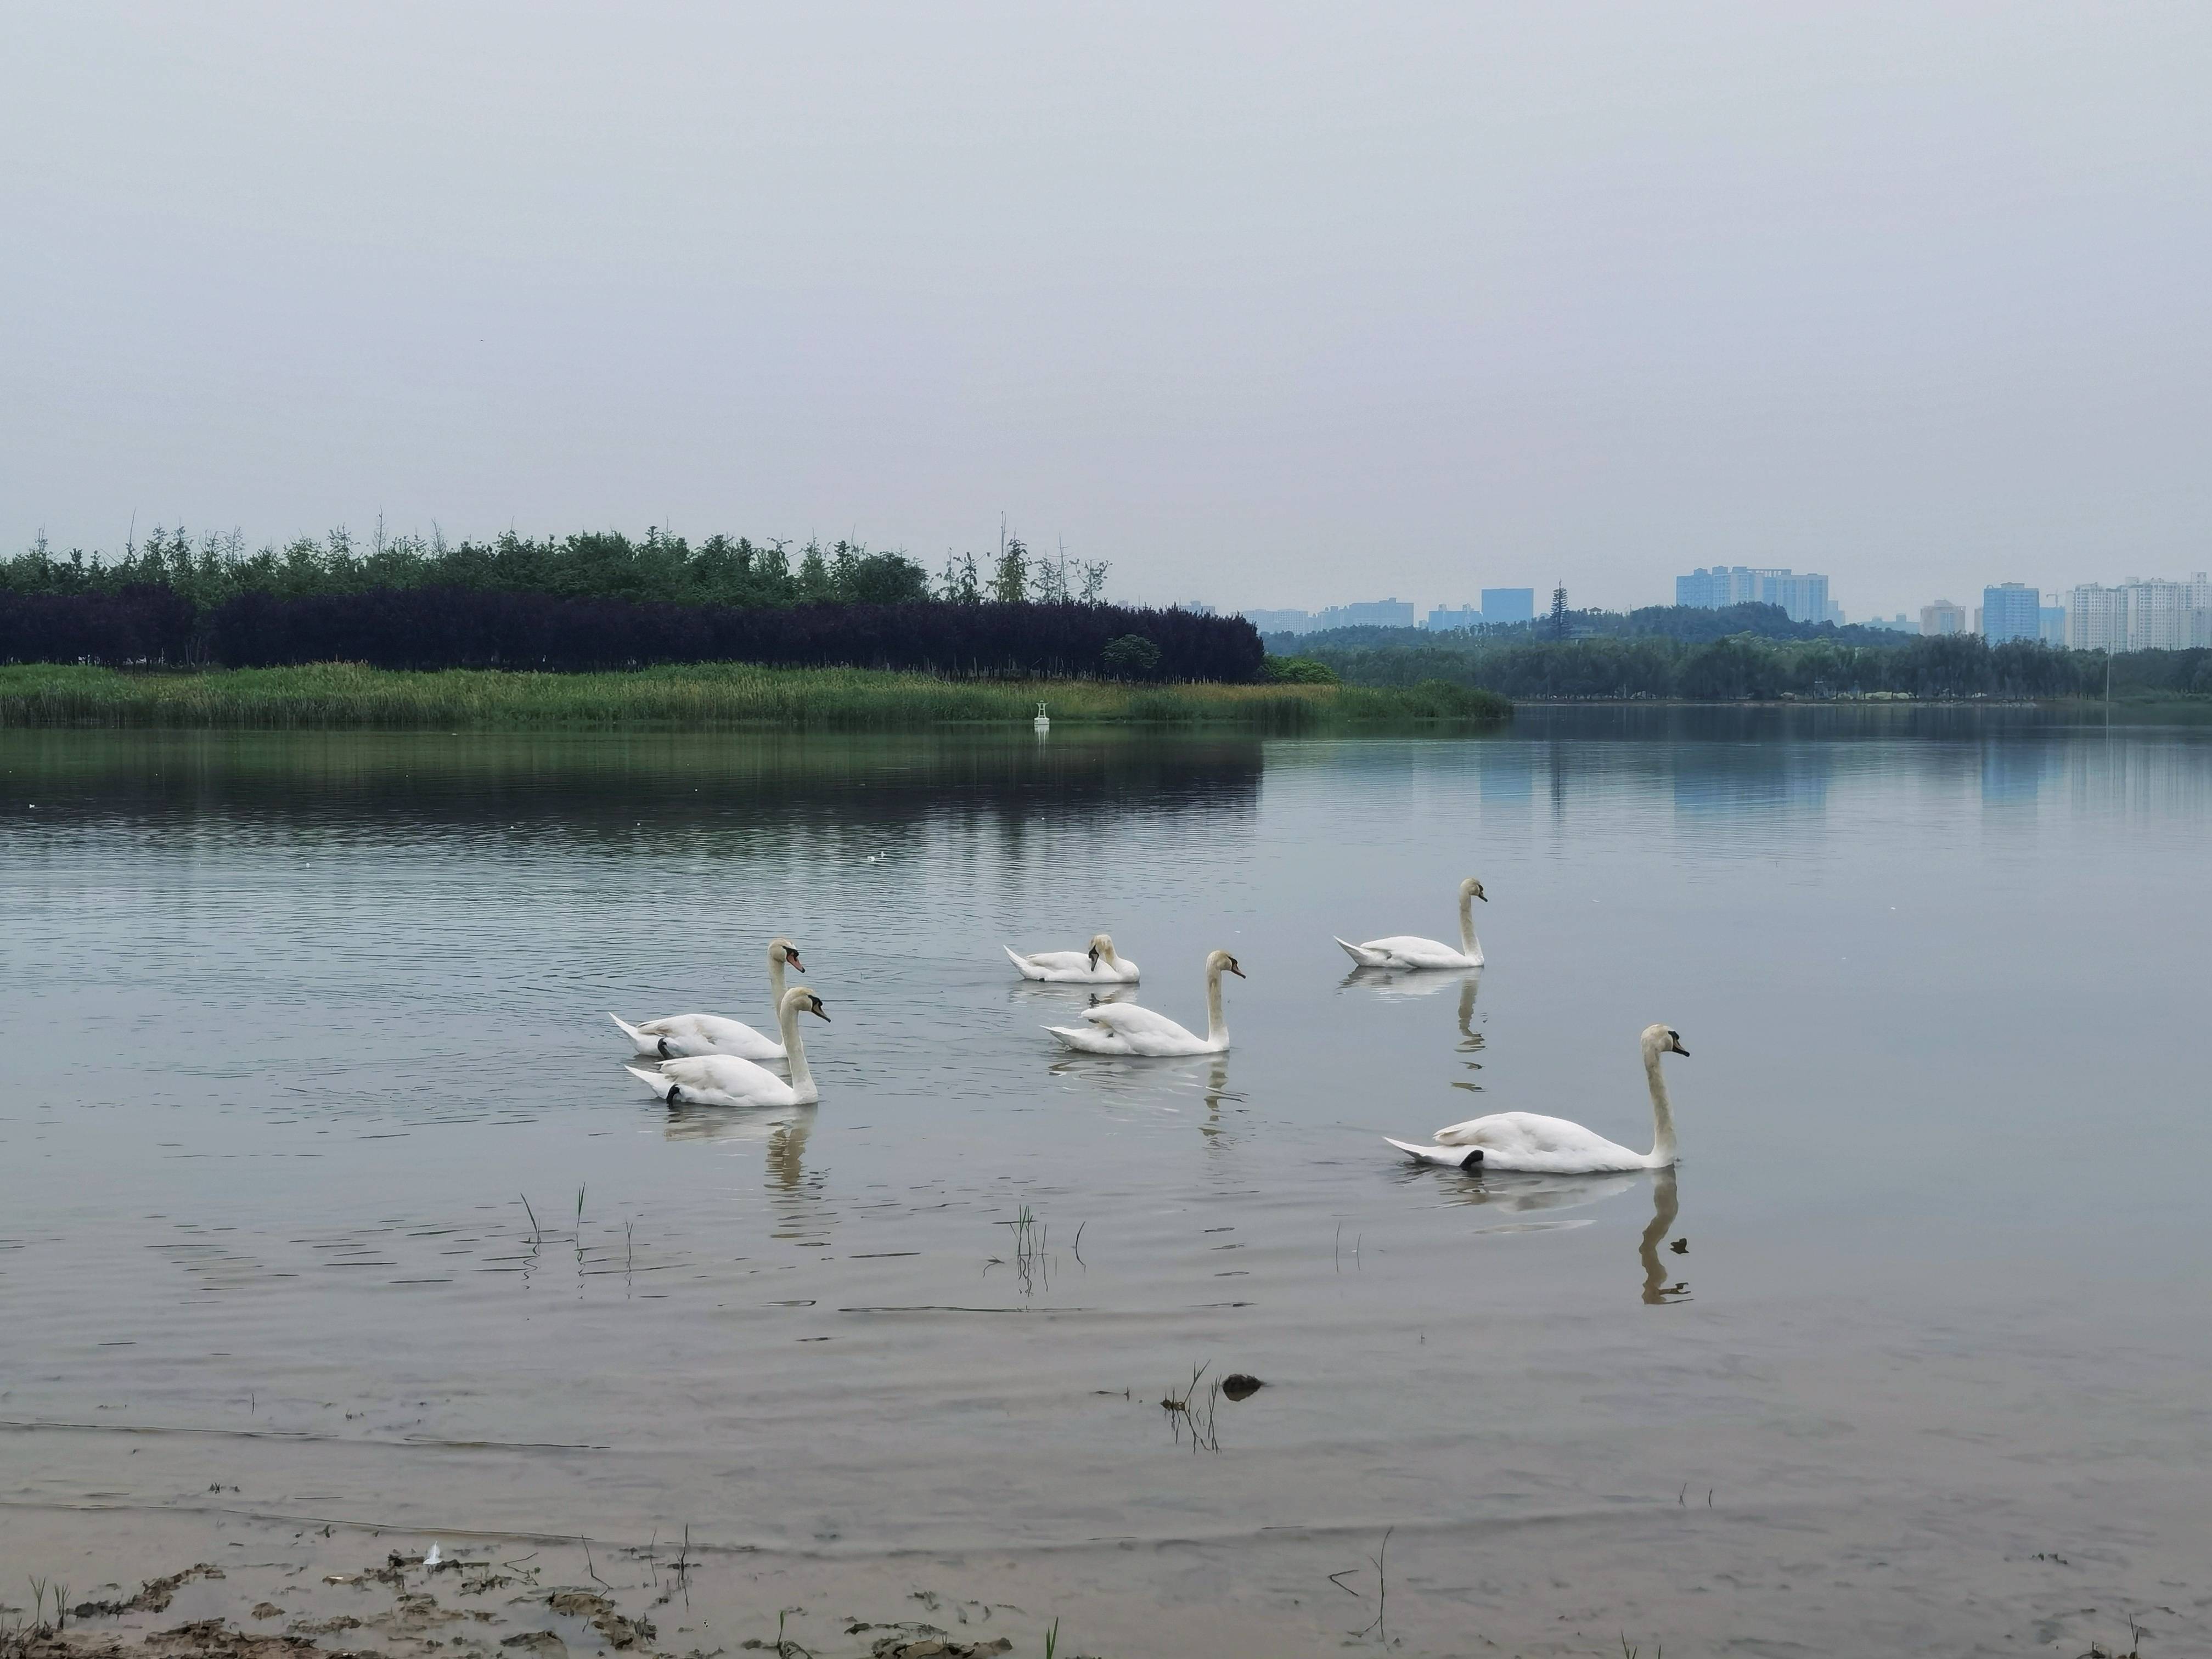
(422, 627)
(597, 600)
(1692, 623)
(1743, 667)
(719, 570)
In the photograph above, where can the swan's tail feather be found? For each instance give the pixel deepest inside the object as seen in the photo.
(1029, 969)
(652, 1079)
(645, 1044)
(1361, 954)
(1083, 1040)
(1452, 1158)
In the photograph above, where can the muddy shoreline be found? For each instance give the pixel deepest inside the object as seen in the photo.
(480, 1603)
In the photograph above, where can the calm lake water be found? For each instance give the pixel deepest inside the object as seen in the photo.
(1909, 1357)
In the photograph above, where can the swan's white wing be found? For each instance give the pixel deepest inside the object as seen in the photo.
(1059, 961)
(711, 1034)
(1527, 1140)
(1128, 1020)
(1406, 951)
(725, 1079)
(1399, 944)
(1089, 1040)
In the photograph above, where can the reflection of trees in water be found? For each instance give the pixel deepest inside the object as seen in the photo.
(650, 786)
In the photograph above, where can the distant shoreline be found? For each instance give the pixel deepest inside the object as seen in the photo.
(701, 697)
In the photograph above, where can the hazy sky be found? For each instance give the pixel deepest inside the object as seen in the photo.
(1267, 304)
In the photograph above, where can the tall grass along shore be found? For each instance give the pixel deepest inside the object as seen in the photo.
(702, 697)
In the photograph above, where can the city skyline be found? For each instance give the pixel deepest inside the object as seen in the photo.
(2153, 613)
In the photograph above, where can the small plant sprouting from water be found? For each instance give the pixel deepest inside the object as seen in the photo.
(1375, 1627)
(1032, 1263)
(2098, 1651)
(786, 1646)
(1194, 1411)
(1052, 1636)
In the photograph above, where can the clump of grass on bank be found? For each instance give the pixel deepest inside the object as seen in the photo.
(688, 698)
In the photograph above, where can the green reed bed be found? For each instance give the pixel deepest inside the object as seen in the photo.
(698, 697)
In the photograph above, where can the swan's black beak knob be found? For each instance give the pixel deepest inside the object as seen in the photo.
(1471, 1159)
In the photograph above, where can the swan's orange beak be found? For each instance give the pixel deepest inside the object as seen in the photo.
(1679, 1050)
(791, 956)
(1235, 970)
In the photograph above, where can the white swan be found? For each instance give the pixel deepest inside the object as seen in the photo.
(728, 1080)
(711, 1034)
(1404, 951)
(1099, 965)
(1552, 1146)
(1123, 1028)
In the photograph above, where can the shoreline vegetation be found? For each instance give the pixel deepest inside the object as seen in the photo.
(688, 697)
(1747, 668)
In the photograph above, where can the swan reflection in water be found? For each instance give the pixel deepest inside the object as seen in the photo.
(795, 1193)
(1397, 982)
(1658, 1291)
(1146, 1080)
(1060, 999)
(1515, 1194)
(1410, 982)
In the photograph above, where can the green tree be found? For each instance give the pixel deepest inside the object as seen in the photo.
(1131, 657)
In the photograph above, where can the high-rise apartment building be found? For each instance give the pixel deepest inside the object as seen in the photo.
(1502, 605)
(2053, 621)
(2141, 616)
(1444, 618)
(1802, 596)
(2097, 618)
(1943, 618)
(2011, 611)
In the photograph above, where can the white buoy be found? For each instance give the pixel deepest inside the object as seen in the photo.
(1042, 722)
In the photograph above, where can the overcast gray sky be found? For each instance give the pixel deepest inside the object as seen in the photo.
(1267, 304)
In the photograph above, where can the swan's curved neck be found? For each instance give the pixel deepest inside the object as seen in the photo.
(1662, 1111)
(802, 1080)
(1469, 944)
(775, 981)
(1217, 1029)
